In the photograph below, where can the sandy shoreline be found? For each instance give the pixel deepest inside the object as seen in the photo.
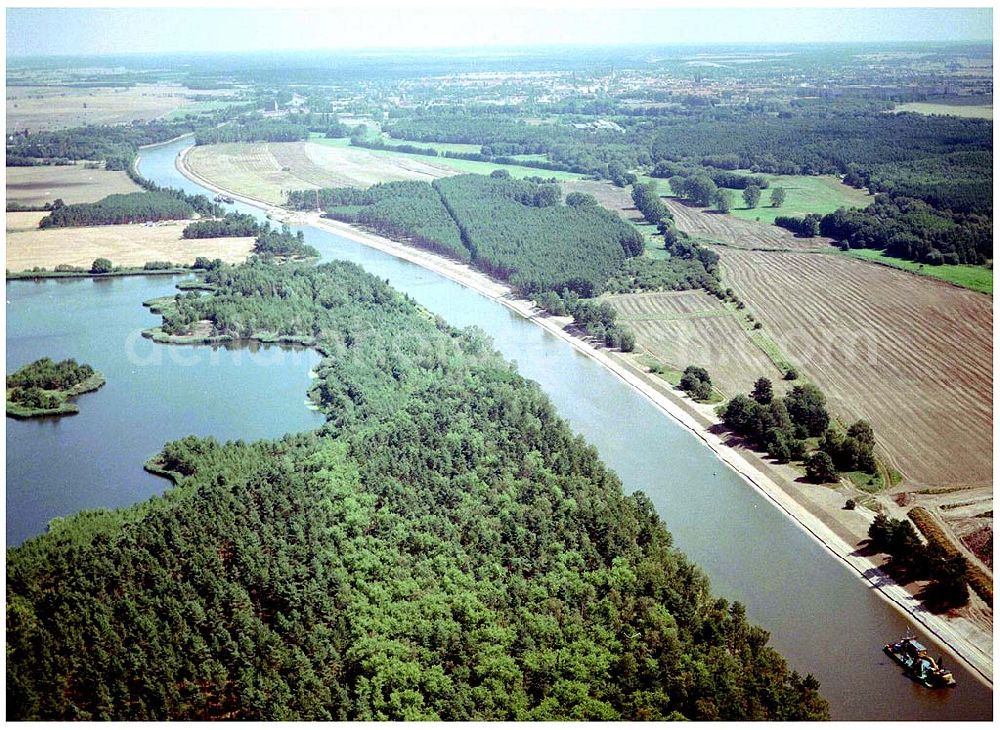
(966, 640)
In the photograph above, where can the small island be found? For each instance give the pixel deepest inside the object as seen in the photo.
(44, 387)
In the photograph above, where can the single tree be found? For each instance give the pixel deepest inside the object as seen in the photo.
(820, 468)
(762, 392)
(807, 408)
(101, 266)
(751, 196)
(724, 200)
(777, 197)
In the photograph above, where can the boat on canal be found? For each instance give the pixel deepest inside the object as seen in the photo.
(918, 664)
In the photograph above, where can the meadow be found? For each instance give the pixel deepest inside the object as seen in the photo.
(804, 194)
(456, 166)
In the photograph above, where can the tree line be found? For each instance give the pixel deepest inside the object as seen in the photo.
(120, 208)
(445, 548)
(912, 229)
(252, 130)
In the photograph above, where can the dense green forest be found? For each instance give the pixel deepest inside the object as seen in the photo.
(518, 231)
(114, 144)
(913, 229)
(410, 210)
(283, 243)
(945, 162)
(444, 548)
(120, 208)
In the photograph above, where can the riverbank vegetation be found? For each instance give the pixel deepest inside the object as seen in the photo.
(444, 548)
(42, 388)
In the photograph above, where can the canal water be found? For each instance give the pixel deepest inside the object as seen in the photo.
(821, 617)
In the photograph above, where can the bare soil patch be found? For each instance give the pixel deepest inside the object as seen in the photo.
(126, 245)
(71, 183)
(911, 355)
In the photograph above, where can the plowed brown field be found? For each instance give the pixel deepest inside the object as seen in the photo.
(911, 355)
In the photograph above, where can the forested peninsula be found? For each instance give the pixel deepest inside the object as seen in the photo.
(443, 548)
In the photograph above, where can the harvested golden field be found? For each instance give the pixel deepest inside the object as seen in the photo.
(72, 183)
(695, 328)
(267, 170)
(912, 355)
(39, 108)
(126, 245)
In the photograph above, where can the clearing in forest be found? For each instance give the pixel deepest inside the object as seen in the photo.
(701, 223)
(803, 194)
(912, 355)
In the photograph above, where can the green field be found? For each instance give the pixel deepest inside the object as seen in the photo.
(471, 166)
(978, 111)
(803, 194)
(977, 278)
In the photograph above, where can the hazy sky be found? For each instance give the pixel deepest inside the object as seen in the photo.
(47, 31)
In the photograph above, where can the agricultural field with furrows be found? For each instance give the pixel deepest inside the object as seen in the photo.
(911, 355)
(695, 328)
(967, 516)
(71, 183)
(712, 227)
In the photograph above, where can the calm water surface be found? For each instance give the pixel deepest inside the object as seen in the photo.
(820, 616)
